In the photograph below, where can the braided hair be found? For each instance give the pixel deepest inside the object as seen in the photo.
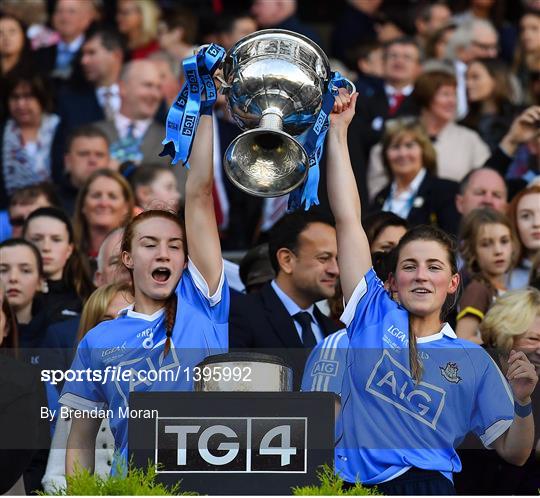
(171, 303)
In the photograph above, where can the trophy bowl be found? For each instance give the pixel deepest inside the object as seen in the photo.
(274, 81)
(244, 372)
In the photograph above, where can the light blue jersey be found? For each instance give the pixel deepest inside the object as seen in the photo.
(326, 364)
(389, 423)
(134, 344)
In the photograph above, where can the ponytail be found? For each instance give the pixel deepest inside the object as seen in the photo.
(170, 317)
(416, 367)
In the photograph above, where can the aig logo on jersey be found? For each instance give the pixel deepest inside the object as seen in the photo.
(391, 382)
(325, 367)
(243, 444)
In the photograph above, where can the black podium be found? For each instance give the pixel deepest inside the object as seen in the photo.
(234, 443)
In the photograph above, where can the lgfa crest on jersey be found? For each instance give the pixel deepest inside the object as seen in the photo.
(450, 372)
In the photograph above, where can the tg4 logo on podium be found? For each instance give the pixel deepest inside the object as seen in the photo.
(231, 445)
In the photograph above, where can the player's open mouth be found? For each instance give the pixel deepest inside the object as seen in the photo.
(421, 290)
(161, 275)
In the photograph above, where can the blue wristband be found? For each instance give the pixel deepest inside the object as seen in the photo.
(522, 411)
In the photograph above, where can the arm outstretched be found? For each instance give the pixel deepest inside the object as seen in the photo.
(201, 227)
(353, 246)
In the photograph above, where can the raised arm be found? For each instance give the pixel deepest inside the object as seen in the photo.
(201, 227)
(353, 247)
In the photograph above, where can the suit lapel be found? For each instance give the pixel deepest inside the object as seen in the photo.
(327, 325)
(417, 213)
(279, 318)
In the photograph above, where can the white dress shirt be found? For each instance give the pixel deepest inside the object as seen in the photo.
(122, 125)
(114, 98)
(402, 203)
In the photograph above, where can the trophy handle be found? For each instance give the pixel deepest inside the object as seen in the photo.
(347, 84)
(350, 86)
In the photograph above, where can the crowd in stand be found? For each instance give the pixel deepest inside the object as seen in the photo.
(446, 133)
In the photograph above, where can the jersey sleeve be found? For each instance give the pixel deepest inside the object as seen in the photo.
(475, 301)
(368, 304)
(493, 411)
(326, 364)
(83, 392)
(194, 289)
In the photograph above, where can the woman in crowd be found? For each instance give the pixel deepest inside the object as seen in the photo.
(68, 283)
(29, 142)
(458, 149)
(489, 96)
(524, 213)
(154, 182)
(488, 246)
(437, 42)
(512, 323)
(104, 304)
(528, 54)
(104, 202)
(21, 273)
(384, 230)
(415, 194)
(397, 350)
(15, 50)
(138, 21)
(182, 300)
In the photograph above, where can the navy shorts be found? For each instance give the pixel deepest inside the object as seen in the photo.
(415, 482)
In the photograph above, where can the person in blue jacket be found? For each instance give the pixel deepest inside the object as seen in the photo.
(179, 316)
(412, 389)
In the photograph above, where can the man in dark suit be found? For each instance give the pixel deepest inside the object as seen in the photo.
(71, 18)
(401, 66)
(98, 97)
(282, 318)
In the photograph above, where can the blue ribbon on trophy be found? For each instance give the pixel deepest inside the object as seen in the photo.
(183, 116)
(313, 142)
(248, 96)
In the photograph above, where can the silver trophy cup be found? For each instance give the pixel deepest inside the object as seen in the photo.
(253, 372)
(274, 81)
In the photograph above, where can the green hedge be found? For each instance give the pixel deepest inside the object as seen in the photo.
(332, 485)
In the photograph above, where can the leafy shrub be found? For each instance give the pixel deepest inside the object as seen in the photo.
(332, 485)
(136, 482)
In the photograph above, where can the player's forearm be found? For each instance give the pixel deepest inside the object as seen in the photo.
(201, 173)
(342, 192)
(517, 443)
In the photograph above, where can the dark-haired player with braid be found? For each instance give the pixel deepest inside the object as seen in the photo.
(180, 313)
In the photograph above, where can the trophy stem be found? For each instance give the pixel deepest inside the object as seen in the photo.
(271, 120)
